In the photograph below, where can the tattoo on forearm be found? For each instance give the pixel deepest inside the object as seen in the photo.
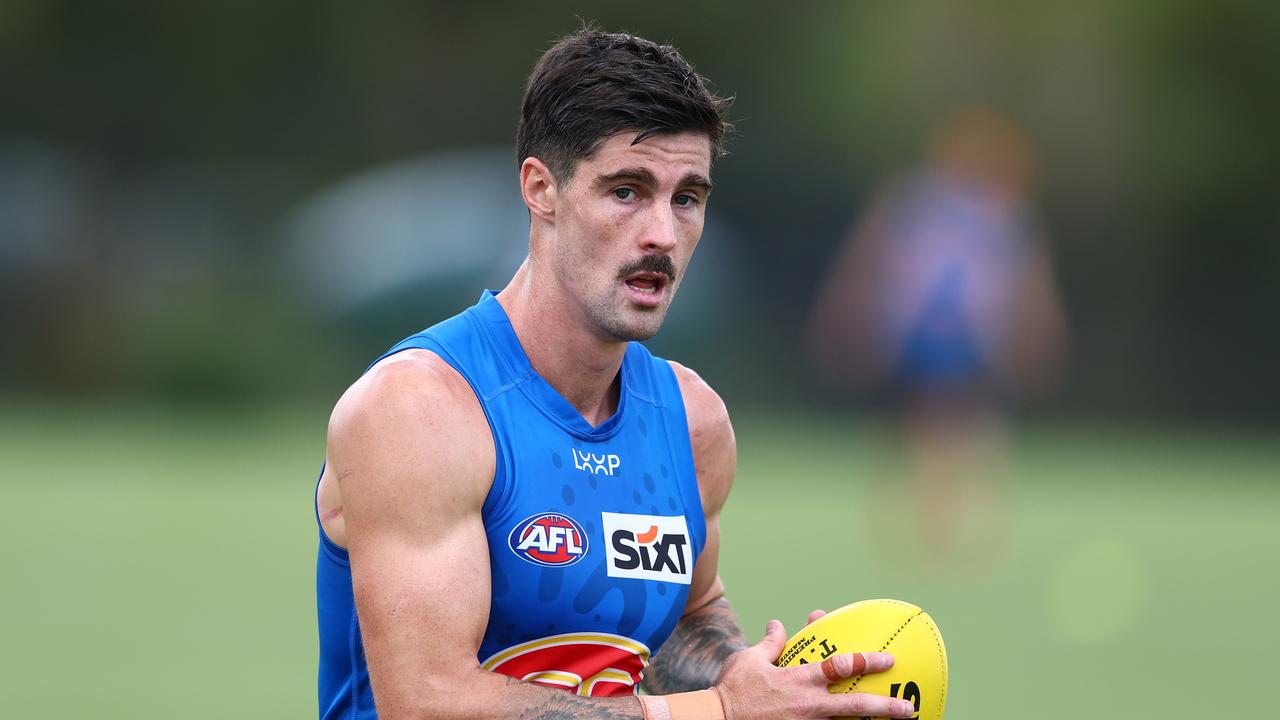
(572, 707)
(690, 660)
(692, 657)
(560, 705)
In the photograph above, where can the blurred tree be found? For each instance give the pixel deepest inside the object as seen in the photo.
(1154, 118)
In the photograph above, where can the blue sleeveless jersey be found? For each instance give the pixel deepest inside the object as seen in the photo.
(592, 532)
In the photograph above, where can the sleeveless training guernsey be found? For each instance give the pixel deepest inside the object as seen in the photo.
(592, 532)
(947, 280)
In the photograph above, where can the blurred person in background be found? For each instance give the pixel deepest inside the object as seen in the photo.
(943, 302)
(521, 501)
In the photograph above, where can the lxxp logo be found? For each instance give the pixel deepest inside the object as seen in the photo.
(648, 547)
(595, 463)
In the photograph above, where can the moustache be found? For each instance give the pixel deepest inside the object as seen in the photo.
(651, 263)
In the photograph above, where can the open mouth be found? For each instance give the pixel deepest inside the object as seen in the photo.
(647, 282)
(647, 288)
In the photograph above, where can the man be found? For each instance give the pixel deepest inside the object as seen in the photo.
(520, 500)
(943, 302)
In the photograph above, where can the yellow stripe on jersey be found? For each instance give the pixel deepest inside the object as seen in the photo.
(618, 641)
(554, 677)
(613, 675)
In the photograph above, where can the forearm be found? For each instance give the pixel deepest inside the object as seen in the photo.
(691, 659)
(532, 702)
(490, 696)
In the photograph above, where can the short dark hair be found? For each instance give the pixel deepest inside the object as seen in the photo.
(592, 85)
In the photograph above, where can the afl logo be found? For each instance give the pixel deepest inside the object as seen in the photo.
(549, 539)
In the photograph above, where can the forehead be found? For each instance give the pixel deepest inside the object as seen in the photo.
(668, 156)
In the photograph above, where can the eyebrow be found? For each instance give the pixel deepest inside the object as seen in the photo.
(644, 177)
(697, 180)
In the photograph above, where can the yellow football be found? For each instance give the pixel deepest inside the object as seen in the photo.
(919, 672)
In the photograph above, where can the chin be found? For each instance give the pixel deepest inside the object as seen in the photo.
(634, 332)
(643, 334)
(637, 330)
(622, 321)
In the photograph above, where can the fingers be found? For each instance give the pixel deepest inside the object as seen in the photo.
(813, 616)
(751, 686)
(834, 674)
(866, 705)
(775, 638)
(841, 667)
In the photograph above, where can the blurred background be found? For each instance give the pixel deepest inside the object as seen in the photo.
(990, 289)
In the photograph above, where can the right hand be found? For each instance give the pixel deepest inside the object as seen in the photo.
(752, 687)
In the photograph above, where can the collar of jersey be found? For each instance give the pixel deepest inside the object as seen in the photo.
(497, 327)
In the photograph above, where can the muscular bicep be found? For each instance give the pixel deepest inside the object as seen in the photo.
(422, 599)
(706, 585)
(414, 458)
(715, 460)
(708, 632)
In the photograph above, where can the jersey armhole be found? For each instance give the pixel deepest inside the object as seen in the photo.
(498, 490)
(498, 486)
(684, 467)
(333, 550)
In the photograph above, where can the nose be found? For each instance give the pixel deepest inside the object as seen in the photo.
(660, 232)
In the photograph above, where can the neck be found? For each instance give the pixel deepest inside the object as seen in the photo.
(561, 347)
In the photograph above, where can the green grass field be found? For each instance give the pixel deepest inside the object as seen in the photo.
(158, 564)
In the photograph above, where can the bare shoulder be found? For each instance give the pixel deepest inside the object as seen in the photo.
(715, 450)
(708, 417)
(410, 416)
(408, 385)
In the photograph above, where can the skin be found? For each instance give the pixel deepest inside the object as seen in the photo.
(411, 458)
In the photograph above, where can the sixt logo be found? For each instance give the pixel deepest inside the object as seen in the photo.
(548, 539)
(648, 547)
(595, 464)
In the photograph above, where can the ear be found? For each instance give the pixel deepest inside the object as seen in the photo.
(538, 188)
